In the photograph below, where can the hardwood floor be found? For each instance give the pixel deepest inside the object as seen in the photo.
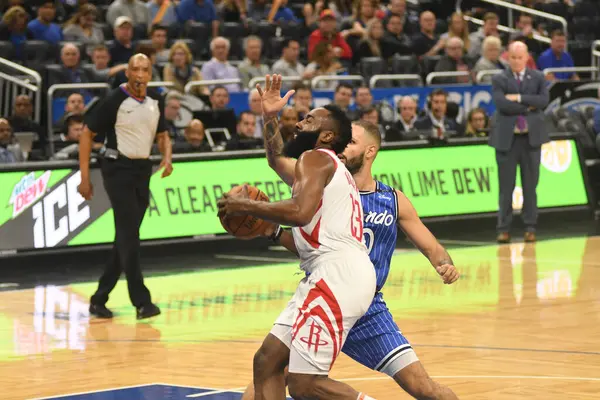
(522, 322)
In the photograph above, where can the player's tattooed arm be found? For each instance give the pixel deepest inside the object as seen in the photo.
(283, 166)
(423, 239)
(314, 170)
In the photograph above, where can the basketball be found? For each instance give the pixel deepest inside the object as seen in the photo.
(246, 226)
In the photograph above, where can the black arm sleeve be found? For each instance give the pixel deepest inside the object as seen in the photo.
(162, 122)
(101, 118)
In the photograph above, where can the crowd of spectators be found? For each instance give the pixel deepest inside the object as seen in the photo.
(237, 40)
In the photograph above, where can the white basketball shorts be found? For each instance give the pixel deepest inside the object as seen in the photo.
(327, 303)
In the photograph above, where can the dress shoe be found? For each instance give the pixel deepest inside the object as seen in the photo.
(147, 311)
(100, 311)
(529, 237)
(503, 237)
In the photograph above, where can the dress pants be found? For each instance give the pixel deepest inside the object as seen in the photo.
(127, 183)
(528, 158)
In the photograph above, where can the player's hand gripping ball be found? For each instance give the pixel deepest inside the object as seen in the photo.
(231, 212)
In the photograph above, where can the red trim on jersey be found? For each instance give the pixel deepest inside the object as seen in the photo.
(331, 154)
(313, 238)
(322, 290)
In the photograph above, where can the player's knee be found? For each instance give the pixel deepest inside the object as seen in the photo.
(301, 386)
(267, 362)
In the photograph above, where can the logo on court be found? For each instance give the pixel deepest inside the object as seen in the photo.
(557, 155)
(314, 337)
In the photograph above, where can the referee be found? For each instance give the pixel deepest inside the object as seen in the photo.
(127, 121)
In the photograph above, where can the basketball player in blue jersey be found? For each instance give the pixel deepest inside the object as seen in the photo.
(375, 340)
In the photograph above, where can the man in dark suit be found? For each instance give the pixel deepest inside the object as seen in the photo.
(436, 121)
(520, 95)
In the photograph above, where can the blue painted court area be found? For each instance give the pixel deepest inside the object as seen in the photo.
(153, 392)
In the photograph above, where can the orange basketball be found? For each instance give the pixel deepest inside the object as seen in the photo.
(246, 226)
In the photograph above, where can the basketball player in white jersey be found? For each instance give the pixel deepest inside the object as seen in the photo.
(326, 215)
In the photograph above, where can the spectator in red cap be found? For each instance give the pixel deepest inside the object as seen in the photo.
(328, 32)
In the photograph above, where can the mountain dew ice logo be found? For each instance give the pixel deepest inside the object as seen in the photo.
(27, 191)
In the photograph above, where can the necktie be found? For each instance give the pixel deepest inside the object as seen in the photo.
(521, 121)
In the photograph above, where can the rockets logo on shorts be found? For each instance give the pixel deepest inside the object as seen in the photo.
(314, 337)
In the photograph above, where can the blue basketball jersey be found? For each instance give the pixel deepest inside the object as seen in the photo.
(380, 215)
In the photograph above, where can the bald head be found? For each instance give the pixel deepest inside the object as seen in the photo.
(518, 55)
(194, 133)
(69, 55)
(139, 73)
(138, 58)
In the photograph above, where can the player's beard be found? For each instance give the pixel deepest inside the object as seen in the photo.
(354, 165)
(304, 140)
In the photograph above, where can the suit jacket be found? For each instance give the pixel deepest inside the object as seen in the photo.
(425, 124)
(534, 98)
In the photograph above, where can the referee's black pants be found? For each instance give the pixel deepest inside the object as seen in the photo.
(127, 183)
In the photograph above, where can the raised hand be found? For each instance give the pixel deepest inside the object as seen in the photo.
(272, 102)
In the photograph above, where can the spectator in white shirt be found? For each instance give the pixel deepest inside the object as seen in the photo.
(288, 65)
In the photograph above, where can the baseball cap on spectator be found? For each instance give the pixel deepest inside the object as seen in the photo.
(327, 14)
(121, 20)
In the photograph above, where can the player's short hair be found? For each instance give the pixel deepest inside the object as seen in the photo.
(341, 125)
(557, 32)
(370, 129)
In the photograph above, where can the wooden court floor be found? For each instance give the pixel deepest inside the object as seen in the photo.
(522, 323)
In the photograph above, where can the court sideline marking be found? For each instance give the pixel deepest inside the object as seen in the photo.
(237, 390)
(540, 377)
(381, 378)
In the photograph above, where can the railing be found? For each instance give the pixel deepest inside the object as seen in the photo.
(531, 11)
(547, 71)
(260, 79)
(486, 72)
(396, 77)
(318, 79)
(446, 74)
(65, 86)
(192, 84)
(160, 84)
(595, 57)
(18, 86)
(502, 28)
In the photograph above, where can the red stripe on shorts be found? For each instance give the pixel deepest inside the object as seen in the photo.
(322, 290)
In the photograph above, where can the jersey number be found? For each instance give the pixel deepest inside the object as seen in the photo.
(356, 223)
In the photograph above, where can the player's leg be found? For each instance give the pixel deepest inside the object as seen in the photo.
(273, 356)
(336, 296)
(268, 368)
(377, 343)
(249, 392)
(416, 381)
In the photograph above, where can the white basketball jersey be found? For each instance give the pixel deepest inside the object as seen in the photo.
(337, 226)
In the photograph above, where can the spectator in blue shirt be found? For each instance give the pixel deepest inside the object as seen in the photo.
(285, 14)
(13, 28)
(42, 28)
(557, 57)
(200, 11)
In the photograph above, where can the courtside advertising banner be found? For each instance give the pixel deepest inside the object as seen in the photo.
(42, 209)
